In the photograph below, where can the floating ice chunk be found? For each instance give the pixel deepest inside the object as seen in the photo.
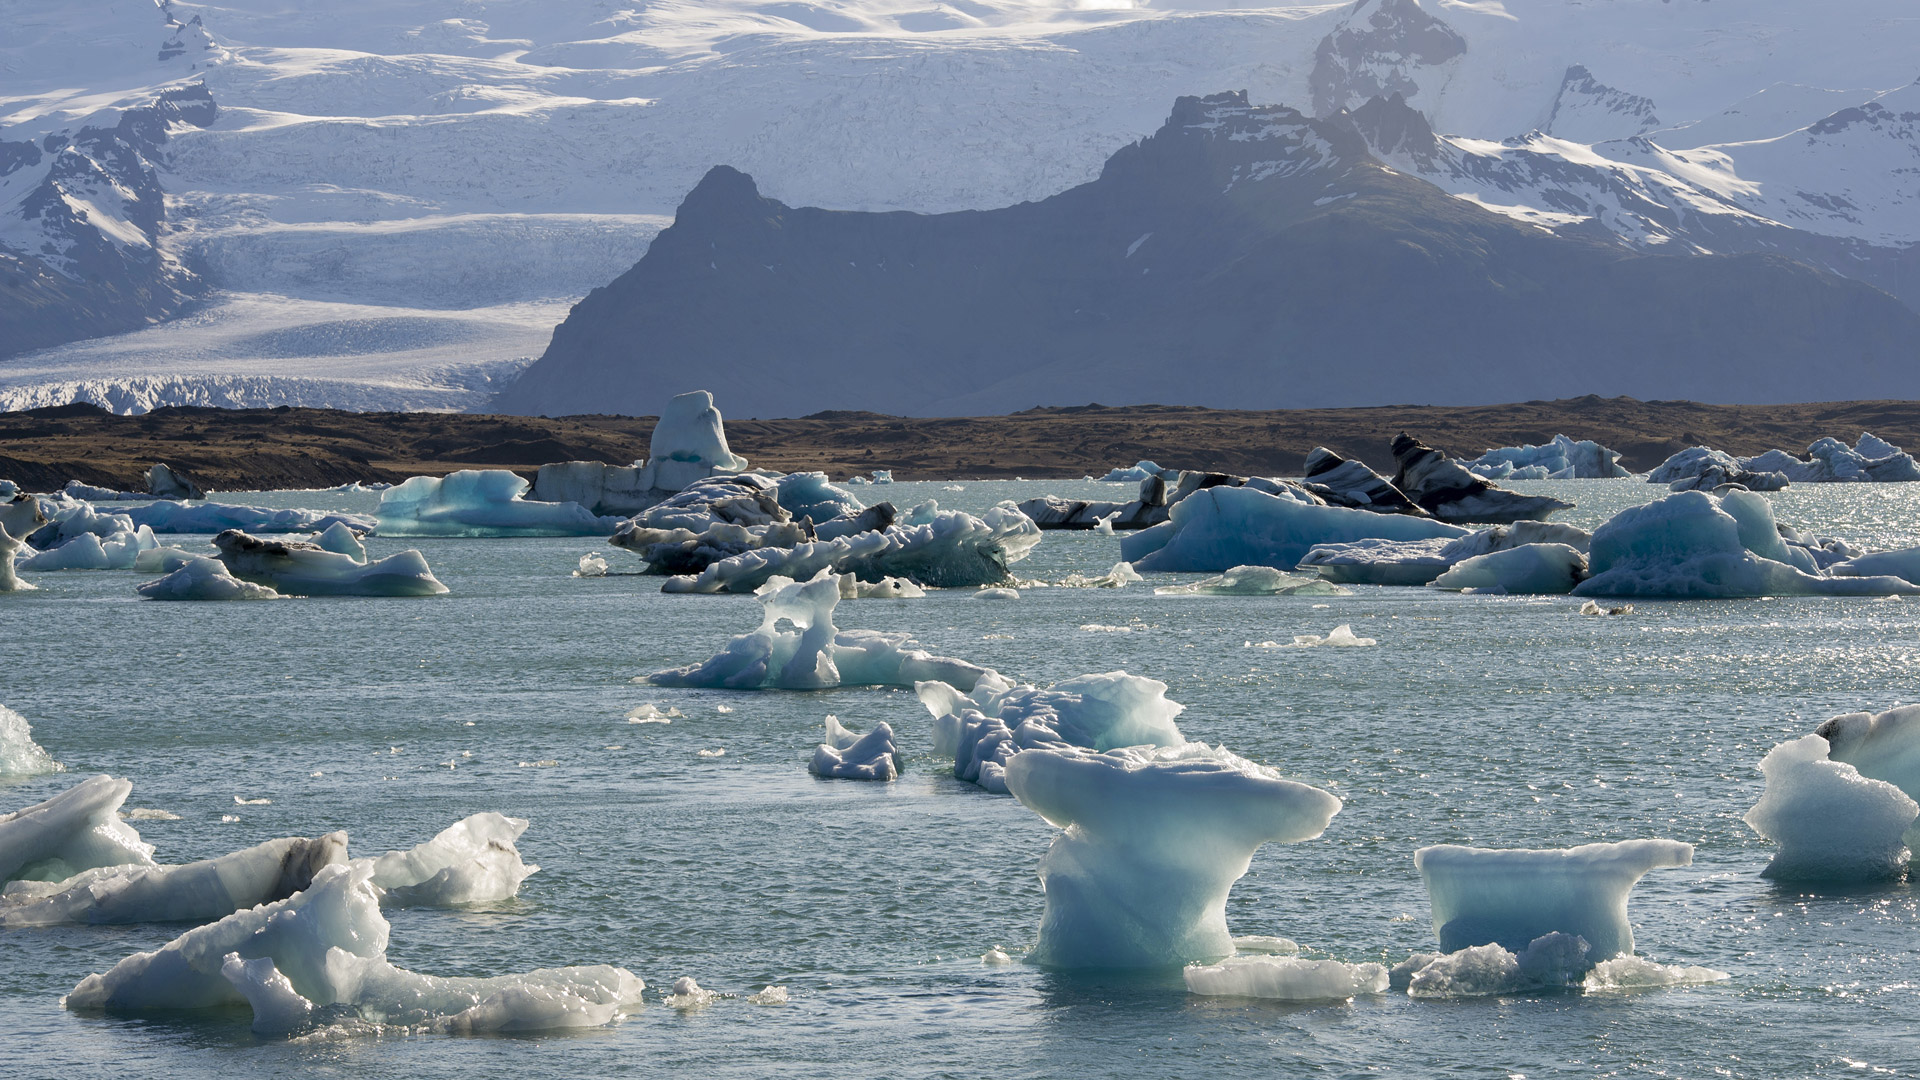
(1264, 945)
(1635, 973)
(1142, 471)
(480, 502)
(591, 565)
(815, 654)
(812, 495)
(10, 548)
(472, 861)
(1561, 459)
(650, 713)
(1119, 577)
(167, 482)
(67, 518)
(690, 442)
(174, 517)
(1832, 823)
(19, 754)
(715, 752)
(1215, 529)
(997, 594)
(891, 588)
(1882, 747)
(1511, 896)
(278, 1009)
(1380, 562)
(329, 942)
(1531, 569)
(996, 956)
(194, 892)
(872, 756)
(777, 995)
(1255, 581)
(1550, 961)
(1445, 489)
(204, 579)
(1341, 636)
(1691, 462)
(1286, 978)
(954, 550)
(341, 539)
(1591, 608)
(1903, 564)
(74, 831)
(298, 568)
(83, 552)
(985, 729)
(164, 559)
(1154, 840)
(688, 994)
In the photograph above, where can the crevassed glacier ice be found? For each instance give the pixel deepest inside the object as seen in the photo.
(74, 831)
(985, 728)
(1530, 569)
(174, 517)
(1561, 459)
(204, 579)
(19, 754)
(954, 550)
(1255, 581)
(328, 943)
(1154, 840)
(1218, 528)
(472, 861)
(298, 568)
(813, 653)
(1830, 822)
(1285, 978)
(480, 502)
(193, 892)
(850, 756)
(1510, 896)
(1693, 544)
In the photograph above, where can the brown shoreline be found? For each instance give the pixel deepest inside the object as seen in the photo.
(241, 449)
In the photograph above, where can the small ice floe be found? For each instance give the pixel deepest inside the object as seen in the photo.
(1262, 945)
(75, 831)
(204, 579)
(1555, 961)
(591, 565)
(718, 751)
(300, 568)
(1107, 628)
(1831, 822)
(1513, 896)
(1591, 608)
(723, 708)
(996, 956)
(19, 754)
(472, 861)
(650, 713)
(147, 813)
(238, 801)
(543, 763)
(688, 994)
(1119, 576)
(1256, 581)
(1285, 978)
(771, 995)
(850, 756)
(1341, 636)
(997, 594)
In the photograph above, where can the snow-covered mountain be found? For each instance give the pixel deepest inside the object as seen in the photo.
(460, 163)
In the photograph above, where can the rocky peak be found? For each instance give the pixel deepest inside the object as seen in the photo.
(1377, 50)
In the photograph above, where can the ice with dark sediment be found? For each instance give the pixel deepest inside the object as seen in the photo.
(1510, 896)
(193, 892)
(951, 550)
(1343, 482)
(1830, 822)
(849, 755)
(983, 728)
(300, 568)
(721, 516)
(74, 831)
(90, 551)
(480, 503)
(1444, 488)
(798, 647)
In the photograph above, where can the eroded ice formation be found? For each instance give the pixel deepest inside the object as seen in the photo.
(299, 568)
(480, 502)
(721, 516)
(1510, 896)
(193, 892)
(953, 550)
(1530, 569)
(1141, 471)
(76, 830)
(1831, 823)
(19, 754)
(472, 861)
(1827, 460)
(204, 579)
(10, 549)
(798, 647)
(1154, 839)
(1255, 581)
(1218, 528)
(1444, 488)
(851, 756)
(167, 482)
(1561, 459)
(1883, 746)
(1102, 516)
(327, 946)
(1285, 978)
(688, 445)
(1342, 482)
(985, 728)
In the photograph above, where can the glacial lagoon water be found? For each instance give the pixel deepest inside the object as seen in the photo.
(1482, 720)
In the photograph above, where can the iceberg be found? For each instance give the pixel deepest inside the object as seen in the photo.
(204, 579)
(1509, 897)
(985, 728)
(1693, 544)
(298, 568)
(815, 654)
(164, 559)
(341, 539)
(20, 514)
(327, 947)
(1285, 978)
(1418, 562)
(812, 495)
(1554, 960)
(67, 518)
(1255, 581)
(690, 442)
(1883, 746)
(1561, 459)
(1691, 462)
(1154, 839)
(209, 517)
(195, 892)
(1351, 484)
(472, 861)
(19, 754)
(1831, 823)
(1827, 461)
(953, 550)
(10, 549)
(849, 756)
(1903, 564)
(478, 503)
(1530, 569)
(1144, 470)
(1445, 489)
(74, 831)
(721, 516)
(1714, 478)
(89, 552)
(1218, 528)
(166, 482)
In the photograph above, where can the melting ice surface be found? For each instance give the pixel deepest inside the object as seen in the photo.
(1509, 897)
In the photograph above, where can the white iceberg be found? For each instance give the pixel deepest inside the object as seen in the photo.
(1218, 528)
(982, 730)
(193, 892)
(1561, 459)
(477, 503)
(175, 517)
(1285, 978)
(1154, 840)
(690, 442)
(19, 754)
(472, 861)
(341, 539)
(1883, 746)
(1831, 823)
(1141, 471)
(10, 548)
(299, 568)
(1511, 896)
(1827, 461)
(850, 756)
(1530, 569)
(815, 654)
(75, 831)
(204, 579)
(327, 945)
(1255, 581)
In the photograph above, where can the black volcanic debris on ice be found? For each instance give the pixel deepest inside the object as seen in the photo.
(1245, 255)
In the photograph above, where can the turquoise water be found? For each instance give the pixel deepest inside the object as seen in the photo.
(1487, 720)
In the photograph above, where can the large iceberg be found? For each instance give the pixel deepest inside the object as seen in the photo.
(1530, 569)
(688, 445)
(1154, 839)
(1693, 544)
(1417, 562)
(480, 502)
(951, 550)
(1511, 896)
(1831, 823)
(472, 861)
(982, 730)
(1828, 460)
(320, 955)
(76, 830)
(1218, 528)
(301, 568)
(1883, 746)
(1444, 488)
(850, 756)
(810, 653)
(1561, 459)
(19, 754)
(209, 517)
(194, 892)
